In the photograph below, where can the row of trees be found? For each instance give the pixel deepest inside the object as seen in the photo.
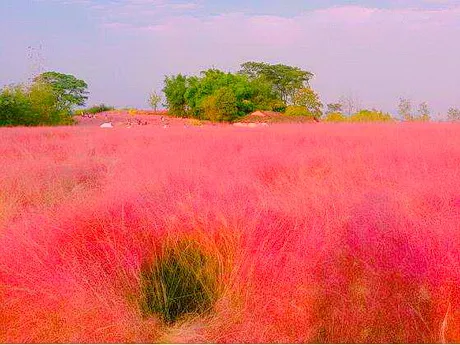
(213, 95)
(348, 110)
(405, 111)
(349, 106)
(48, 100)
(364, 115)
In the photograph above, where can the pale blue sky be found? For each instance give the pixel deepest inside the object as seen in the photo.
(375, 51)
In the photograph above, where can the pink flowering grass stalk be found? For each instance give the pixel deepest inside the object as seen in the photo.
(292, 233)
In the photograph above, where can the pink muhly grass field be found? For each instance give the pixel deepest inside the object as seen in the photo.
(321, 233)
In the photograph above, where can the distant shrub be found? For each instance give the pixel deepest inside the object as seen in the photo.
(195, 122)
(422, 118)
(335, 117)
(370, 116)
(295, 110)
(301, 111)
(95, 109)
(221, 106)
(361, 116)
(183, 280)
(132, 111)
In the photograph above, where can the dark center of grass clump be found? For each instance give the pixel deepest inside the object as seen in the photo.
(183, 280)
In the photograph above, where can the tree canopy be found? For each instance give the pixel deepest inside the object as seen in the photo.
(406, 113)
(309, 100)
(174, 90)
(285, 80)
(69, 90)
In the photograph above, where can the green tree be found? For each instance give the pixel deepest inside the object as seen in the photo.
(154, 100)
(309, 100)
(174, 90)
(453, 114)
(70, 91)
(46, 106)
(284, 80)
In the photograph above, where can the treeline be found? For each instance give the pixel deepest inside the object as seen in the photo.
(223, 96)
(48, 100)
(364, 115)
(215, 95)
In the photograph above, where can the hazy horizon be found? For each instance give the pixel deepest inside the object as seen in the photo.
(375, 51)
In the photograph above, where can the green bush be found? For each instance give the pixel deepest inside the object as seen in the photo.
(336, 117)
(370, 116)
(183, 280)
(295, 110)
(31, 106)
(361, 116)
(95, 109)
(300, 111)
